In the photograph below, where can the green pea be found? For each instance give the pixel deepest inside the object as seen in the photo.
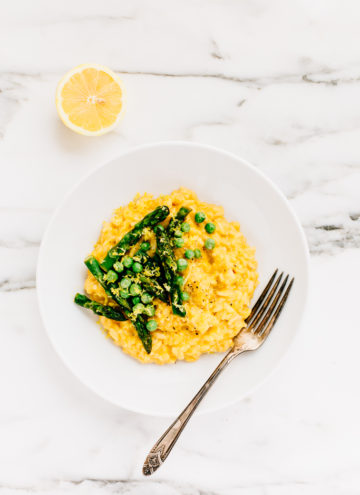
(197, 253)
(210, 227)
(111, 276)
(189, 254)
(209, 243)
(178, 233)
(151, 325)
(145, 246)
(127, 261)
(136, 300)
(160, 228)
(183, 211)
(138, 308)
(185, 227)
(179, 280)
(118, 266)
(185, 296)
(135, 289)
(146, 298)
(179, 243)
(125, 283)
(199, 217)
(181, 264)
(124, 294)
(137, 267)
(149, 310)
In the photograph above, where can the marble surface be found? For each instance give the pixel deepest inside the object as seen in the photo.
(274, 81)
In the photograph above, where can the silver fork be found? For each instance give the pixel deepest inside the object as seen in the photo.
(258, 326)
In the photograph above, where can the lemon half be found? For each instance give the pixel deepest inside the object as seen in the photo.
(90, 99)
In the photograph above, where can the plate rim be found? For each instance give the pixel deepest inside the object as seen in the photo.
(189, 144)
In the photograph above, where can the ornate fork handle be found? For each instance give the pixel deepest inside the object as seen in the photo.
(166, 442)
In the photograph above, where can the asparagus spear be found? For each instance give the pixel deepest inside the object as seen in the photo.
(175, 223)
(99, 309)
(151, 268)
(143, 333)
(153, 287)
(168, 261)
(113, 291)
(162, 278)
(132, 237)
(150, 285)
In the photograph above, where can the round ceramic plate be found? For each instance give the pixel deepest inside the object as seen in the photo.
(217, 177)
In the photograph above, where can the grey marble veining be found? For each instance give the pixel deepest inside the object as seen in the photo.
(318, 181)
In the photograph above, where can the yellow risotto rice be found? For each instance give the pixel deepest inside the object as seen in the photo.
(220, 283)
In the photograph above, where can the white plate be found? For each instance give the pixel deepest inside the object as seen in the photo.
(218, 177)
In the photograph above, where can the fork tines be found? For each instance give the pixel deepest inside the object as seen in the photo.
(269, 305)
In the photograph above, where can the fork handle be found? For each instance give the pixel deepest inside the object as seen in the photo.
(166, 442)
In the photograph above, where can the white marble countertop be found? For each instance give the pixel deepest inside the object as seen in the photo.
(276, 82)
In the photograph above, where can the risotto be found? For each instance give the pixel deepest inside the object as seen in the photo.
(220, 283)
